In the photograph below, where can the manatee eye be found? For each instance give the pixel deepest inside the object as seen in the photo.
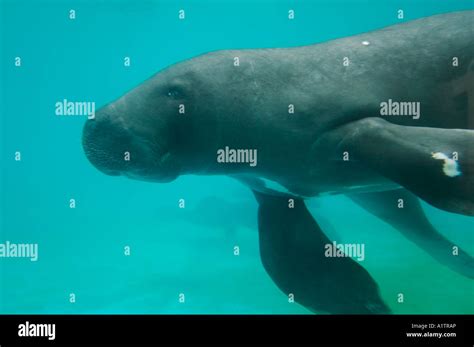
(173, 93)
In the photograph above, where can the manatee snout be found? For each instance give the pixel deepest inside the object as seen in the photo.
(114, 146)
(105, 145)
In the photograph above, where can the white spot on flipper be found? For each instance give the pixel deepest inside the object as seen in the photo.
(365, 43)
(450, 166)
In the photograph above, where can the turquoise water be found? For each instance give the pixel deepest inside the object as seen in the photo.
(172, 250)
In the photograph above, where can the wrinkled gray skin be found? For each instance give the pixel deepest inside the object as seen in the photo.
(336, 109)
(247, 106)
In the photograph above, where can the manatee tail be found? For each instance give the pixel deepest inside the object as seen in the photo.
(435, 164)
(411, 221)
(292, 249)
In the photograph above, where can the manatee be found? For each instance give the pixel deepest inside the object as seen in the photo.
(379, 116)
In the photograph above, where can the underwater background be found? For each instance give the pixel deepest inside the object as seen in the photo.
(172, 250)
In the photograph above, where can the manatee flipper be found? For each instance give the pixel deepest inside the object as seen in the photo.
(292, 249)
(412, 222)
(418, 158)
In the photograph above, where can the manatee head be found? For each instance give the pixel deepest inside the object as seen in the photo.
(159, 130)
(175, 122)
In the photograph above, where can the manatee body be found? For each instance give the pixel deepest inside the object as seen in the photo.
(314, 116)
